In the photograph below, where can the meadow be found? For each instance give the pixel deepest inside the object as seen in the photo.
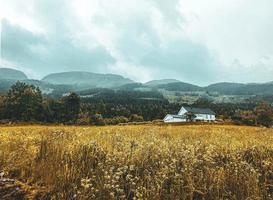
(139, 162)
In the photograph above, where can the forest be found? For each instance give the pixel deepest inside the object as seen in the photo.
(25, 103)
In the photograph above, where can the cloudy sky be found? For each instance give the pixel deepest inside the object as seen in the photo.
(194, 41)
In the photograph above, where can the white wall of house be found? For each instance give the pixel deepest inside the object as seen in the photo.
(182, 111)
(205, 117)
(171, 119)
(213, 118)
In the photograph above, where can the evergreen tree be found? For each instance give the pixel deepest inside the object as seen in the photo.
(53, 111)
(2, 106)
(23, 102)
(71, 107)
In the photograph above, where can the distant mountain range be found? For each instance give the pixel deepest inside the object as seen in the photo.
(87, 79)
(11, 74)
(161, 82)
(58, 83)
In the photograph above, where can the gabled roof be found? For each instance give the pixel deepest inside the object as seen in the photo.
(206, 111)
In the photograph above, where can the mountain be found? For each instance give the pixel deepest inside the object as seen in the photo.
(50, 90)
(241, 89)
(5, 85)
(86, 80)
(120, 96)
(11, 74)
(160, 82)
(57, 84)
(179, 86)
(131, 86)
(225, 87)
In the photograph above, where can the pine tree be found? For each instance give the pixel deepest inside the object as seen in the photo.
(23, 102)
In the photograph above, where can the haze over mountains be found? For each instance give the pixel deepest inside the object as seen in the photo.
(79, 81)
(12, 74)
(87, 79)
(161, 82)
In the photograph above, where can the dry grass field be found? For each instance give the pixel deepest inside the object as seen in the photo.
(138, 162)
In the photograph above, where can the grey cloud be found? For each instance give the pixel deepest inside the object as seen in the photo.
(183, 60)
(138, 43)
(47, 55)
(154, 37)
(170, 10)
(17, 43)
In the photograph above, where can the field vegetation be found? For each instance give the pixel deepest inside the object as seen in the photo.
(139, 162)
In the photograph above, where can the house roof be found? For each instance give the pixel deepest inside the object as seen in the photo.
(206, 111)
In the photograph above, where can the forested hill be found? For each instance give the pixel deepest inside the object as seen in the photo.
(87, 79)
(58, 84)
(11, 74)
(241, 89)
(160, 82)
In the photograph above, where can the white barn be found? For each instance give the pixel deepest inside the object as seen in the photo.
(187, 114)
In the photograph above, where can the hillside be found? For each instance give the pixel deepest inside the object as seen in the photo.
(11, 74)
(56, 84)
(225, 87)
(179, 86)
(241, 89)
(86, 80)
(161, 82)
(5, 85)
(48, 89)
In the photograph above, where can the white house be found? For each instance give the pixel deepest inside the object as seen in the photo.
(187, 113)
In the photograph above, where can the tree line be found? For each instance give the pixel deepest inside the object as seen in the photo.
(261, 115)
(25, 103)
(253, 113)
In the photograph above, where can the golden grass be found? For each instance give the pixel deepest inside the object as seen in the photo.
(141, 162)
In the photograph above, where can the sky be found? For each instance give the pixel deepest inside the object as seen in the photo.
(194, 41)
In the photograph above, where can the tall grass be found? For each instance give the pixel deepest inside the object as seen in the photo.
(141, 162)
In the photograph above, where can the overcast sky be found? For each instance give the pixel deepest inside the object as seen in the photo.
(194, 41)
